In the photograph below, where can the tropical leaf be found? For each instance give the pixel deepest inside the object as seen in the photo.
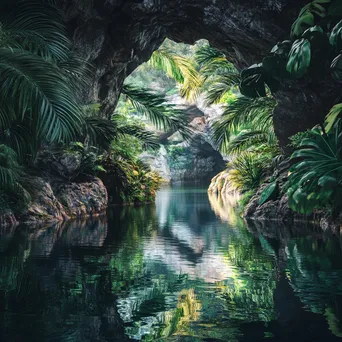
(336, 68)
(268, 192)
(247, 140)
(241, 113)
(336, 36)
(155, 107)
(299, 57)
(148, 139)
(333, 116)
(314, 180)
(40, 91)
(36, 26)
(181, 69)
(99, 132)
(306, 18)
(12, 175)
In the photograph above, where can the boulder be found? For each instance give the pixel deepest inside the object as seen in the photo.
(55, 201)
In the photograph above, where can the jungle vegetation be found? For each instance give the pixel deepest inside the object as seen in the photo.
(40, 108)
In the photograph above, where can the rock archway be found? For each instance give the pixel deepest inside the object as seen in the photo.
(118, 35)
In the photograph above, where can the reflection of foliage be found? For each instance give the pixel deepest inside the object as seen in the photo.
(247, 298)
(314, 272)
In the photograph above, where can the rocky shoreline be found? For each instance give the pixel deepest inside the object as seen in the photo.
(57, 201)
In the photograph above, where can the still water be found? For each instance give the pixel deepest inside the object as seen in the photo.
(185, 269)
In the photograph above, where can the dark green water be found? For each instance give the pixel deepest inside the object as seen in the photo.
(185, 269)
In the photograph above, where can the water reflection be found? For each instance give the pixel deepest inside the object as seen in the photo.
(185, 269)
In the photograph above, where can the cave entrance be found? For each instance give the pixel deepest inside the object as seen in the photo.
(176, 82)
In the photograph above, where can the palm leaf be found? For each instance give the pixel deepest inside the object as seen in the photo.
(244, 112)
(34, 87)
(181, 69)
(154, 106)
(148, 139)
(36, 26)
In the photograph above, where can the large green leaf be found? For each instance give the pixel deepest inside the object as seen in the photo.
(307, 15)
(336, 36)
(336, 68)
(254, 81)
(327, 182)
(268, 192)
(314, 180)
(299, 57)
(333, 116)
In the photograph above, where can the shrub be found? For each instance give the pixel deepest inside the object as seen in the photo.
(315, 179)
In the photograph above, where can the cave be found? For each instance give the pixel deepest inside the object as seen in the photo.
(116, 36)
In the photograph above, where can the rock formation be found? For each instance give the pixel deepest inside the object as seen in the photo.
(118, 35)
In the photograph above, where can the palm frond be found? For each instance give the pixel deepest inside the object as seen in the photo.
(99, 132)
(205, 54)
(163, 115)
(213, 63)
(77, 72)
(219, 87)
(246, 140)
(19, 137)
(182, 70)
(36, 26)
(149, 139)
(34, 87)
(241, 113)
(11, 175)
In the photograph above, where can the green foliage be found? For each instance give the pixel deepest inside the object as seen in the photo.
(182, 69)
(255, 81)
(160, 113)
(315, 41)
(219, 75)
(269, 192)
(314, 181)
(128, 179)
(333, 117)
(252, 116)
(248, 171)
(299, 58)
(297, 139)
(307, 16)
(12, 179)
(36, 70)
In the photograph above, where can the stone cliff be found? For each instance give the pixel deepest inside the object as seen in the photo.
(118, 35)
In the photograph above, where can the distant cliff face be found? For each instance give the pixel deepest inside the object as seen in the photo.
(118, 35)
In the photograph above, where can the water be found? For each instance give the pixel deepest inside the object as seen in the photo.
(185, 269)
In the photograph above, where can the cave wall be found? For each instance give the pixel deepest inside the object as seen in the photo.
(116, 36)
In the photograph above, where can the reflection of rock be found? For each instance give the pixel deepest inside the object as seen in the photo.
(72, 233)
(224, 206)
(8, 219)
(210, 267)
(44, 239)
(86, 232)
(6, 234)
